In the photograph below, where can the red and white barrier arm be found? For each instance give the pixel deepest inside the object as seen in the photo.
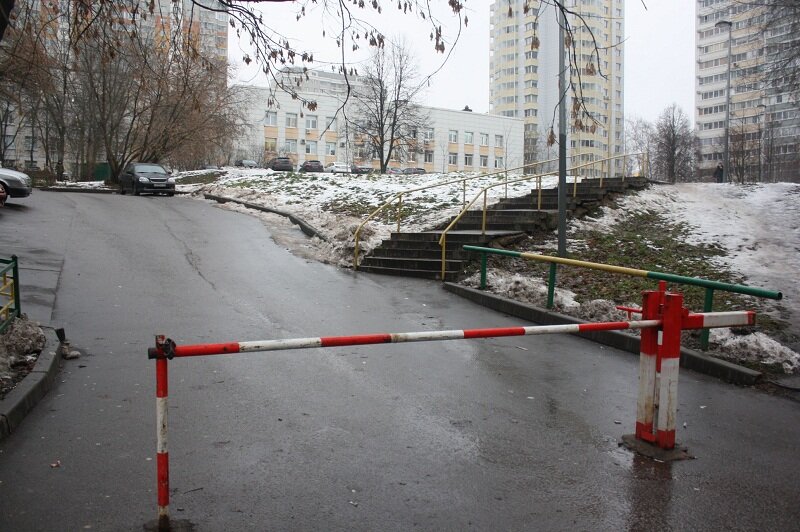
(394, 338)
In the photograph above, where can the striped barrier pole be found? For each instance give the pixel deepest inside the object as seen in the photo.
(648, 354)
(668, 361)
(676, 320)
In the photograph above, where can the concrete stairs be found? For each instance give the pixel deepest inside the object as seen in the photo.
(419, 254)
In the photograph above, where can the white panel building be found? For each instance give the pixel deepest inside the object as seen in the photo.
(454, 141)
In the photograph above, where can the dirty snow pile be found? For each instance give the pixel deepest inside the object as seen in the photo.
(20, 344)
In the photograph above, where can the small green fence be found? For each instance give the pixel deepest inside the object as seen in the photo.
(709, 285)
(9, 291)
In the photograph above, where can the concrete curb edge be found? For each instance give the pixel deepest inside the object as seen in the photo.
(27, 394)
(306, 228)
(690, 359)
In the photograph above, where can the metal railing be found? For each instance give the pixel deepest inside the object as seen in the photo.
(398, 197)
(538, 177)
(709, 285)
(9, 292)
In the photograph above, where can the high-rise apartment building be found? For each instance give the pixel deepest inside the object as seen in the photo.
(523, 75)
(758, 117)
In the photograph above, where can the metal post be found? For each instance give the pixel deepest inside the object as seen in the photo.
(726, 155)
(708, 305)
(484, 260)
(551, 285)
(399, 210)
(15, 289)
(648, 354)
(669, 357)
(162, 456)
(444, 254)
(483, 223)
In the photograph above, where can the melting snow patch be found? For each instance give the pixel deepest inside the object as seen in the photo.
(756, 347)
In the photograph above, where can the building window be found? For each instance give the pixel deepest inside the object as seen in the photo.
(270, 145)
(452, 158)
(484, 160)
(291, 119)
(290, 146)
(311, 122)
(311, 147)
(498, 141)
(428, 156)
(330, 122)
(428, 135)
(467, 159)
(452, 135)
(330, 148)
(468, 137)
(271, 118)
(484, 139)
(498, 162)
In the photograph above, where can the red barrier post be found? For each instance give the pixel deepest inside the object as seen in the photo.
(162, 455)
(648, 354)
(669, 358)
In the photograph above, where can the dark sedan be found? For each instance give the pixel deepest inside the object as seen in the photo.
(409, 171)
(146, 177)
(281, 164)
(312, 166)
(356, 169)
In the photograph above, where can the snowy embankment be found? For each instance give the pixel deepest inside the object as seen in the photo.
(758, 226)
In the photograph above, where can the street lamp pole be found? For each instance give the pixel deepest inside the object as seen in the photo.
(762, 111)
(726, 155)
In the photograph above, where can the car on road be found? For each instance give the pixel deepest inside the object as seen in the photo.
(15, 184)
(356, 169)
(246, 163)
(281, 164)
(146, 177)
(411, 171)
(338, 168)
(312, 166)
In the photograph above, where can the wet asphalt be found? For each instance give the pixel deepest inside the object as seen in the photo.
(498, 434)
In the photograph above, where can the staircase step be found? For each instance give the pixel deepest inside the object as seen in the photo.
(416, 253)
(426, 274)
(412, 264)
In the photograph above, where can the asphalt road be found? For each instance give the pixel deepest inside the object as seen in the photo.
(505, 434)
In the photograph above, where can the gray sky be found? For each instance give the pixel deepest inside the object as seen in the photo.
(659, 53)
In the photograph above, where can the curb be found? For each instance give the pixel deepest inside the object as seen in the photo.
(77, 189)
(306, 228)
(21, 400)
(690, 359)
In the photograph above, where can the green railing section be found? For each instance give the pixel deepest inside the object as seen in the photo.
(575, 170)
(709, 285)
(9, 291)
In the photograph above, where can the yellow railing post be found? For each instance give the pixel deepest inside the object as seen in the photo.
(399, 210)
(483, 224)
(443, 243)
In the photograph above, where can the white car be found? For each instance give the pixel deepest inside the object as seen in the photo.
(338, 168)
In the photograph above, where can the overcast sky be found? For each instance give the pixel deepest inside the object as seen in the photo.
(659, 53)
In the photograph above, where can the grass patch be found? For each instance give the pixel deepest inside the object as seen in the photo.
(200, 179)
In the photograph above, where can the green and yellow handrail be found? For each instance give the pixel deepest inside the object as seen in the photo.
(708, 284)
(9, 288)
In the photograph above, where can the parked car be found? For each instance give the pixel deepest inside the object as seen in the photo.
(15, 184)
(355, 169)
(338, 168)
(394, 171)
(410, 171)
(246, 163)
(312, 166)
(146, 177)
(281, 164)
(3, 196)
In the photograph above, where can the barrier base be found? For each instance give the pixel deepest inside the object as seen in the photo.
(171, 525)
(649, 450)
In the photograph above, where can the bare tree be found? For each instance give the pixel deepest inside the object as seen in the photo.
(387, 115)
(673, 143)
(639, 137)
(782, 31)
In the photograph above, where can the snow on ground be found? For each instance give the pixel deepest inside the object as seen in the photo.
(759, 225)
